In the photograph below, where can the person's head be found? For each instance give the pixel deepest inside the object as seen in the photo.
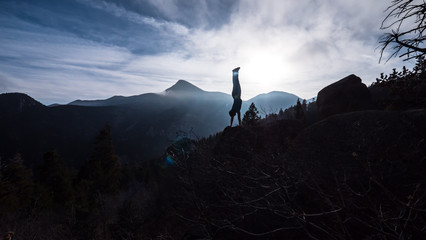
(232, 113)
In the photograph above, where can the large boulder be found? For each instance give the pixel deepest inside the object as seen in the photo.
(346, 95)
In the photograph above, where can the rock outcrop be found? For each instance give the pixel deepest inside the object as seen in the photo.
(346, 95)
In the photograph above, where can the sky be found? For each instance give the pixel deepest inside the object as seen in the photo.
(59, 51)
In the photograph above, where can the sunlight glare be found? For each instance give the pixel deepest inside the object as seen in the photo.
(266, 70)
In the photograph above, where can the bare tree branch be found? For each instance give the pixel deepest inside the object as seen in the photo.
(400, 12)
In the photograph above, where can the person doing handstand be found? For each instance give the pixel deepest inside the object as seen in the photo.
(236, 94)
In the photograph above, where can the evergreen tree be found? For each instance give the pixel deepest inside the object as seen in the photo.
(420, 69)
(304, 106)
(56, 178)
(299, 113)
(251, 117)
(406, 87)
(16, 192)
(281, 113)
(103, 169)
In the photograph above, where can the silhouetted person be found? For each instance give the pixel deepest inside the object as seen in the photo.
(236, 94)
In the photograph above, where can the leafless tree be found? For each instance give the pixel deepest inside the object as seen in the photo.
(406, 20)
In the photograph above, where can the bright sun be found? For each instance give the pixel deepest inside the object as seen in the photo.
(265, 70)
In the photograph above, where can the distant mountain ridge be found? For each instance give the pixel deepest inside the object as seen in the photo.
(17, 102)
(266, 103)
(142, 125)
(274, 101)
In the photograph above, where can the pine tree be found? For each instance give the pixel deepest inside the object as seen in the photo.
(103, 169)
(299, 113)
(281, 113)
(55, 177)
(251, 117)
(304, 105)
(17, 188)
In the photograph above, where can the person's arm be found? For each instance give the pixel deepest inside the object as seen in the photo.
(236, 90)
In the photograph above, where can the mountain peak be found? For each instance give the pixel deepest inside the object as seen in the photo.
(17, 102)
(183, 86)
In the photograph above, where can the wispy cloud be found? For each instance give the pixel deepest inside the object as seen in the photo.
(161, 25)
(55, 67)
(297, 47)
(121, 48)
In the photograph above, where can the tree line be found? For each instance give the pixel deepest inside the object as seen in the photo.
(66, 200)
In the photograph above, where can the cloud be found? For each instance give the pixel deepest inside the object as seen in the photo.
(192, 13)
(168, 7)
(131, 47)
(5, 84)
(295, 46)
(57, 68)
(165, 26)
